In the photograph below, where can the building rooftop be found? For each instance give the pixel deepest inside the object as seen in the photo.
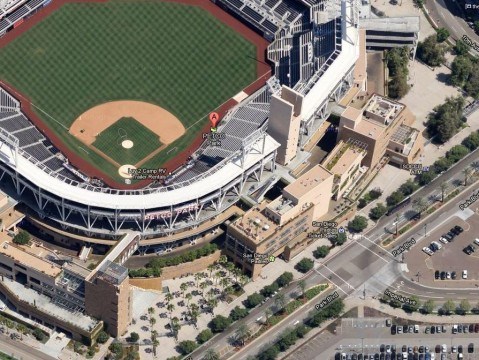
(33, 261)
(255, 224)
(349, 156)
(352, 113)
(45, 305)
(77, 269)
(406, 24)
(113, 273)
(308, 181)
(382, 109)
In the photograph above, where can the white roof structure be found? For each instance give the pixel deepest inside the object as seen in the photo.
(204, 186)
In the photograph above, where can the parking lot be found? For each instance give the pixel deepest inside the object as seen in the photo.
(372, 339)
(450, 258)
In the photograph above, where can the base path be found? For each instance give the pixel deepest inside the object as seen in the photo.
(92, 122)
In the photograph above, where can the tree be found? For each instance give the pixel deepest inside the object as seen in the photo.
(448, 307)
(397, 60)
(472, 141)
(269, 353)
(210, 268)
(186, 347)
(461, 69)
(420, 205)
(431, 52)
(238, 313)
(175, 327)
(304, 265)
(446, 119)
(168, 297)
(117, 349)
(280, 301)
(242, 333)
(188, 297)
(408, 187)
(398, 86)
(22, 238)
(339, 239)
(426, 177)
(441, 35)
(170, 308)
(395, 198)
(467, 172)
(444, 187)
(39, 335)
(456, 153)
(204, 336)
(253, 300)
(472, 85)
(321, 252)
(302, 286)
(378, 211)
(284, 279)
(134, 337)
(219, 323)
(429, 306)
(211, 354)
(358, 224)
(414, 304)
(441, 164)
(461, 48)
(183, 288)
(465, 306)
(102, 337)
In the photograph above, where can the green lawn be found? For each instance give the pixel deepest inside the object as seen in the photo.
(176, 56)
(109, 141)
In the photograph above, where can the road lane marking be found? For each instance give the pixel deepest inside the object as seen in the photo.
(379, 256)
(338, 287)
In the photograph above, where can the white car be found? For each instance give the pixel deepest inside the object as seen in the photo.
(2, 306)
(443, 240)
(464, 274)
(476, 241)
(444, 348)
(427, 250)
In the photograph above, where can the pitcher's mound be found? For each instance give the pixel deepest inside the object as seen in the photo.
(127, 144)
(124, 170)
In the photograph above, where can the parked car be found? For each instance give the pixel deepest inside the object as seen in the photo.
(458, 228)
(464, 274)
(453, 275)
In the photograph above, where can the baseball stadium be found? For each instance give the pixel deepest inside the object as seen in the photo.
(104, 123)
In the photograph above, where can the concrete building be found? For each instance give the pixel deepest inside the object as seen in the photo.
(345, 163)
(280, 227)
(284, 123)
(58, 292)
(374, 125)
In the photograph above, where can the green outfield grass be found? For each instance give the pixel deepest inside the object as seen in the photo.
(176, 56)
(109, 141)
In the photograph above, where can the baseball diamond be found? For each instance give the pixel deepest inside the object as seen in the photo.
(90, 61)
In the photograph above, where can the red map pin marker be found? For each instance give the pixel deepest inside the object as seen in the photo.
(214, 119)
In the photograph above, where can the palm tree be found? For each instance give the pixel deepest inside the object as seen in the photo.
(155, 344)
(211, 354)
(183, 288)
(188, 298)
(152, 322)
(236, 272)
(224, 282)
(194, 316)
(210, 268)
(223, 259)
(280, 301)
(168, 296)
(467, 172)
(203, 286)
(302, 287)
(419, 205)
(212, 303)
(243, 280)
(151, 310)
(267, 314)
(170, 308)
(175, 327)
(217, 276)
(444, 187)
(230, 266)
(242, 333)
(197, 278)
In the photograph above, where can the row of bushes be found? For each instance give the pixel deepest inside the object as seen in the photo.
(153, 268)
(371, 195)
(290, 336)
